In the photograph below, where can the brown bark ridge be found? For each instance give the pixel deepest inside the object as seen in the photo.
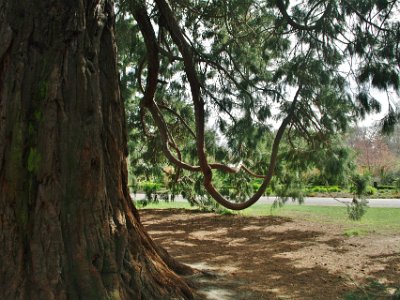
(68, 228)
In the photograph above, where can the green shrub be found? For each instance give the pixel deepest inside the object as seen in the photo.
(255, 186)
(357, 208)
(334, 189)
(386, 187)
(370, 190)
(324, 189)
(397, 184)
(319, 189)
(359, 184)
(150, 188)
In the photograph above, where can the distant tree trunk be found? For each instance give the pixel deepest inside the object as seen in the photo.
(68, 228)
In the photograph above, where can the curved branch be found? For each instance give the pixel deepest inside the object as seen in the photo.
(154, 108)
(271, 168)
(293, 23)
(143, 123)
(179, 117)
(190, 70)
(147, 101)
(139, 76)
(227, 169)
(166, 136)
(198, 102)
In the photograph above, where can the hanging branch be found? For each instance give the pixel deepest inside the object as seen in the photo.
(190, 70)
(195, 85)
(271, 168)
(148, 99)
(179, 117)
(296, 25)
(139, 76)
(148, 102)
(143, 123)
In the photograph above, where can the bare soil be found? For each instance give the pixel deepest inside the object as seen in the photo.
(273, 257)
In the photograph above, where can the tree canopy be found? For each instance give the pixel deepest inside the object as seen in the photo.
(254, 73)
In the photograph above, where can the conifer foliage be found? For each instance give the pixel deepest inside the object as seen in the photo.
(298, 72)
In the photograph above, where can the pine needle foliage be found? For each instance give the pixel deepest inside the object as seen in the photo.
(228, 91)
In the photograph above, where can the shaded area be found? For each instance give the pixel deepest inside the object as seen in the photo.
(270, 257)
(390, 268)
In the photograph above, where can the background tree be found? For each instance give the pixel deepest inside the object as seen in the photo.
(393, 141)
(374, 155)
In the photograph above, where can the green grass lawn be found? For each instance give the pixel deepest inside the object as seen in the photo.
(376, 220)
(380, 220)
(164, 205)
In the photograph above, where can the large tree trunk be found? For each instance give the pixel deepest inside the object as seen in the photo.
(68, 228)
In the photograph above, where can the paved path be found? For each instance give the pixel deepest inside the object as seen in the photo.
(339, 201)
(318, 201)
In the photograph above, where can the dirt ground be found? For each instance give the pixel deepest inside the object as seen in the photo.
(273, 257)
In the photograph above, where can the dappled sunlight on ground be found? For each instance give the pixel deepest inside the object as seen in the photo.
(272, 257)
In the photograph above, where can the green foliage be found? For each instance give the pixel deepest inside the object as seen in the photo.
(359, 184)
(352, 232)
(370, 190)
(397, 184)
(334, 189)
(385, 187)
(150, 189)
(357, 209)
(359, 188)
(319, 189)
(324, 189)
(249, 58)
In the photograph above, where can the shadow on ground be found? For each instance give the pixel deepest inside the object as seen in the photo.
(253, 257)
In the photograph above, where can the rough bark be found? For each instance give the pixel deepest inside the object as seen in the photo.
(68, 228)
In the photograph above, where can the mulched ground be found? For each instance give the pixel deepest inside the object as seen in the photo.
(273, 257)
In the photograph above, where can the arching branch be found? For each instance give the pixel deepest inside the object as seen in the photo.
(271, 168)
(143, 123)
(179, 117)
(282, 9)
(148, 102)
(190, 70)
(206, 168)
